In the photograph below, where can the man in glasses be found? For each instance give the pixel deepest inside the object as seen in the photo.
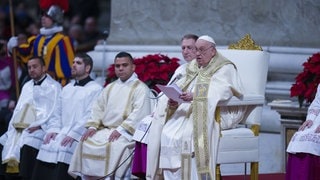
(139, 165)
(189, 137)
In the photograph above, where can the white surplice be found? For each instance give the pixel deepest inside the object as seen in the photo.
(120, 106)
(75, 105)
(43, 99)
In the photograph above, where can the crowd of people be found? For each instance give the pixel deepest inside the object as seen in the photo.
(26, 18)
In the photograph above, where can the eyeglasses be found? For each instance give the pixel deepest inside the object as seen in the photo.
(202, 51)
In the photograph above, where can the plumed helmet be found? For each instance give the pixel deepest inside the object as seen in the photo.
(56, 14)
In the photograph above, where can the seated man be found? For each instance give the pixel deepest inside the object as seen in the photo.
(185, 135)
(107, 146)
(139, 162)
(30, 120)
(71, 114)
(304, 147)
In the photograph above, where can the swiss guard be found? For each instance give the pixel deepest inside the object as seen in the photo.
(51, 44)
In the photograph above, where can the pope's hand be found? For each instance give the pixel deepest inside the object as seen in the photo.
(186, 96)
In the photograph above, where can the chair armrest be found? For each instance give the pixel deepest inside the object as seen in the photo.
(257, 100)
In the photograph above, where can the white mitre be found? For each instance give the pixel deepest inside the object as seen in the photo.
(207, 38)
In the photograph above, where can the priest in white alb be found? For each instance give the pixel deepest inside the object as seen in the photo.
(106, 148)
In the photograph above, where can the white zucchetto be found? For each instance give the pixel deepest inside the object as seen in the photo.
(207, 38)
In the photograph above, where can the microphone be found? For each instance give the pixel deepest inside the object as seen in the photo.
(178, 77)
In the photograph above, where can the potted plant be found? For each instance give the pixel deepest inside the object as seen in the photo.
(151, 69)
(305, 86)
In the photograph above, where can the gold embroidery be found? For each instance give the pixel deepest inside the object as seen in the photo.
(201, 90)
(128, 108)
(218, 118)
(200, 112)
(129, 128)
(25, 117)
(186, 166)
(108, 148)
(94, 157)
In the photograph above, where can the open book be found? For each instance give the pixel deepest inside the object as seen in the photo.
(172, 91)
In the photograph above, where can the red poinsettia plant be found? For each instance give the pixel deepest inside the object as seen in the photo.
(305, 87)
(151, 69)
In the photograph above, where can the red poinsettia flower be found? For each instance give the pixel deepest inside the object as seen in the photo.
(307, 81)
(151, 69)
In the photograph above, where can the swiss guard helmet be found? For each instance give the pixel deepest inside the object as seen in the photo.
(56, 14)
(54, 9)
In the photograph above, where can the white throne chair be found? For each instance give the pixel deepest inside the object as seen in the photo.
(241, 144)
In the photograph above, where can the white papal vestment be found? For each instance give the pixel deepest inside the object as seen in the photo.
(178, 141)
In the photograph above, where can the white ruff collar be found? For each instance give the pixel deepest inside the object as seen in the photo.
(51, 31)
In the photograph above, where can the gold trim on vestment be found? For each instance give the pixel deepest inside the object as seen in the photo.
(26, 112)
(191, 74)
(128, 108)
(94, 157)
(108, 148)
(200, 112)
(81, 152)
(128, 128)
(186, 166)
(12, 166)
(170, 111)
(99, 125)
(217, 115)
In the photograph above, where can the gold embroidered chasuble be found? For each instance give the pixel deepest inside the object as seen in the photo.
(200, 110)
(200, 113)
